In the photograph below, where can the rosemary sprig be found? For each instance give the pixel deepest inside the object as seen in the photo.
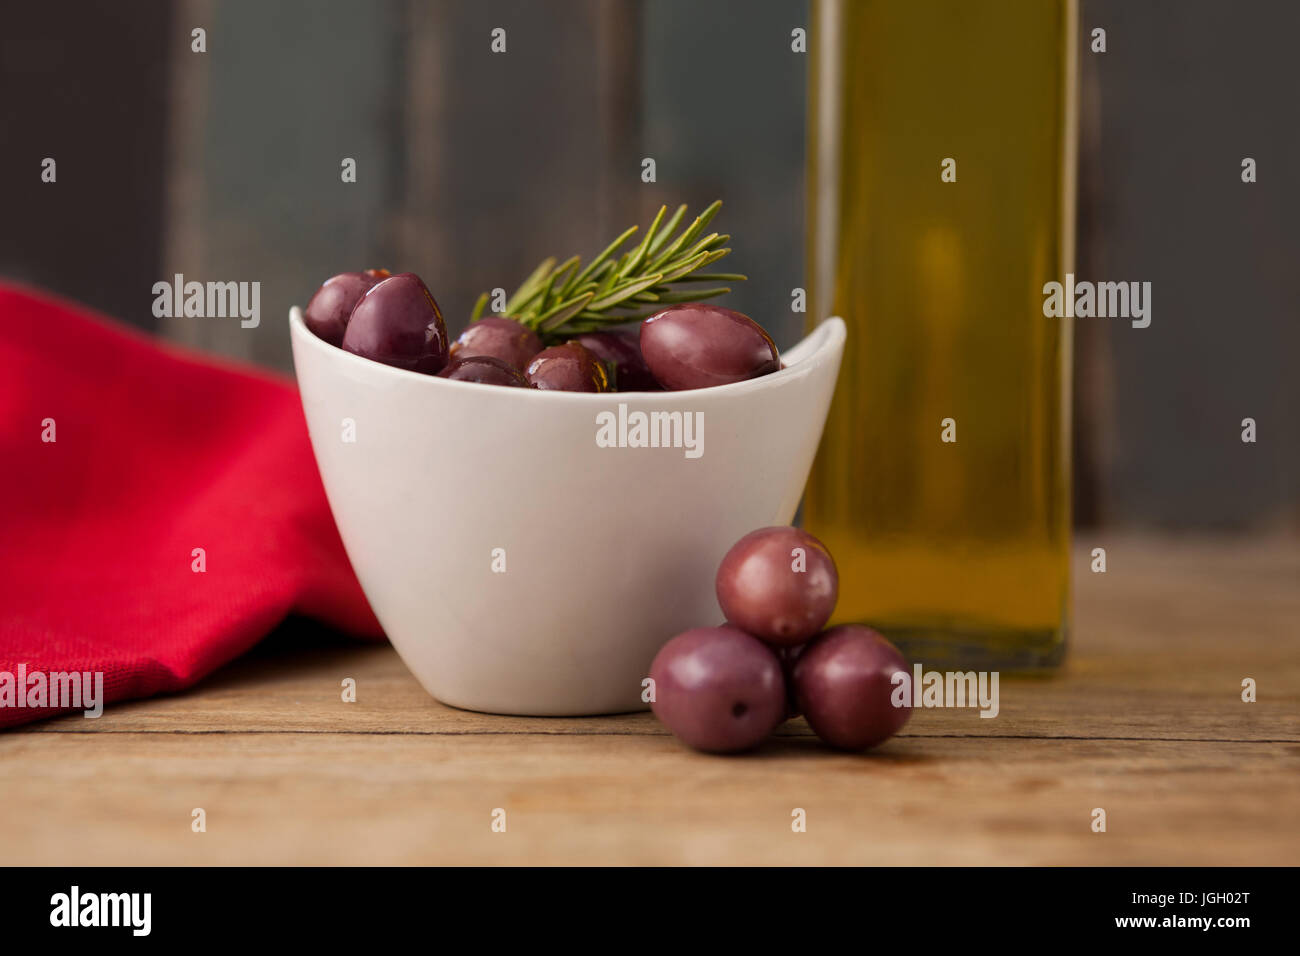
(613, 288)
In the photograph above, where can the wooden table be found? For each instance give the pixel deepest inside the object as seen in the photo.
(1146, 722)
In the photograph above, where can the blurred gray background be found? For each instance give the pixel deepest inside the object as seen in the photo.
(473, 165)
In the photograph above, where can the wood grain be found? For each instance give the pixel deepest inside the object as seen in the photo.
(1146, 721)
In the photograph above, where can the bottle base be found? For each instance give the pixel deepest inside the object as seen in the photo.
(994, 649)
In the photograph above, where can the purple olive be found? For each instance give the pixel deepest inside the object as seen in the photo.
(620, 349)
(567, 368)
(698, 345)
(398, 323)
(843, 683)
(327, 313)
(718, 689)
(779, 584)
(484, 370)
(504, 339)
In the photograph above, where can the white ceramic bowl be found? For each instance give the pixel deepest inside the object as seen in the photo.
(608, 551)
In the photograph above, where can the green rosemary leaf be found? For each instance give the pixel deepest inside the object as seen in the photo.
(611, 277)
(689, 235)
(608, 251)
(583, 289)
(700, 261)
(624, 291)
(668, 255)
(702, 246)
(639, 254)
(693, 295)
(689, 265)
(529, 285)
(668, 230)
(599, 276)
(523, 307)
(562, 313)
(714, 241)
(568, 265)
(713, 277)
(703, 219)
(539, 303)
(479, 305)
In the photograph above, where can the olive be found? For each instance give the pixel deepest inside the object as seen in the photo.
(718, 689)
(779, 584)
(398, 323)
(484, 370)
(844, 684)
(567, 368)
(327, 313)
(697, 345)
(501, 338)
(620, 350)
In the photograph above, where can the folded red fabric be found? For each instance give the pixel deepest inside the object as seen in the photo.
(161, 513)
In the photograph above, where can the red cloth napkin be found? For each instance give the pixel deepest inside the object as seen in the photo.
(156, 453)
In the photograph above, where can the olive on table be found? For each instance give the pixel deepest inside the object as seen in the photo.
(698, 346)
(328, 311)
(843, 683)
(567, 368)
(718, 689)
(620, 349)
(484, 370)
(512, 342)
(398, 323)
(779, 584)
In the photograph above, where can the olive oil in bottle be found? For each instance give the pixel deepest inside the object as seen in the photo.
(941, 200)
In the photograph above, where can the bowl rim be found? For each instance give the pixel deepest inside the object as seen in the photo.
(813, 350)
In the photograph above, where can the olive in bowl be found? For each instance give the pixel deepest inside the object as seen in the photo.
(397, 322)
(698, 346)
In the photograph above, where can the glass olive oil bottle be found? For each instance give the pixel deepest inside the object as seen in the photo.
(941, 177)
